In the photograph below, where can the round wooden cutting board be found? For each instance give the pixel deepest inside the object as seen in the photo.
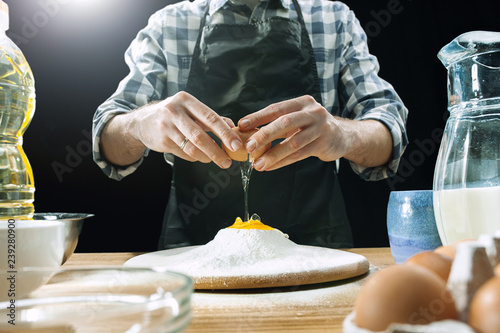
(322, 265)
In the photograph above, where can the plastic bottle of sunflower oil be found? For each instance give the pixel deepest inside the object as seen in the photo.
(17, 106)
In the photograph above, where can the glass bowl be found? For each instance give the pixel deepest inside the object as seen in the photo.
(104, 299)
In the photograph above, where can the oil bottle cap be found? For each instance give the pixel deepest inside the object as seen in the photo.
(4, 16)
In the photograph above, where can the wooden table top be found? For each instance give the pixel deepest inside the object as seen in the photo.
(314, 308)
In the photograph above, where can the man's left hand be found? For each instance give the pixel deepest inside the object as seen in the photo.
(306, 127)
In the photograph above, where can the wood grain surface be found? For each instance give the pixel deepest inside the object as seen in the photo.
(313, 308)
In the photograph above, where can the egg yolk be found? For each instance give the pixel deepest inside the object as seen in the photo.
(251, 224)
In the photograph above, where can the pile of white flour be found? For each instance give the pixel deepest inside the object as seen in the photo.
(237, 252)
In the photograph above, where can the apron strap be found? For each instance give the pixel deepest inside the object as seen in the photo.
(299, 13)
(204, 18)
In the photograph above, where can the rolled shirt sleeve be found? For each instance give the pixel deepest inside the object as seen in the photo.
(145, 83)
(364, 95)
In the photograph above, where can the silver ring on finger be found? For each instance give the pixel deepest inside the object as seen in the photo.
(183, 144)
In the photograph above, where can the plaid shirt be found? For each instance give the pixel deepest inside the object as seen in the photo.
(159, 60)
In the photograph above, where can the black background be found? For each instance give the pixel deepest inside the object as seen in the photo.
(75, 49)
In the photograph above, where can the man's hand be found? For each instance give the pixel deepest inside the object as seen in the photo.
(309, 130)
(163, 126)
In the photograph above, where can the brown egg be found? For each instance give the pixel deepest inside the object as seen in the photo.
(484, 314)
(403, 294)
(438, 263)
(497, 270)
(446, 250)
(449, 250)
(242, 154)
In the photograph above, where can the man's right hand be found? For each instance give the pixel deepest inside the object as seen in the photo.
(163, 126)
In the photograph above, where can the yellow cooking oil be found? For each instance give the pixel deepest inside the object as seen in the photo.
(17, 107)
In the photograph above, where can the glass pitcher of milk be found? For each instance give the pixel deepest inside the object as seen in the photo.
(467, 175)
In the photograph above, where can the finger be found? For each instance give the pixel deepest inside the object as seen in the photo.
(290, 159)
(291, 146)
(190, 125)
(296, 156)
(215, 124)
(199, 139)
(175, 142)
(229, 121)
(270, 113)
(278, 129)
(191, 153)
(187, 153)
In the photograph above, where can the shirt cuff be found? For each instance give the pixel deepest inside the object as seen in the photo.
(111, 170)
(399, 143)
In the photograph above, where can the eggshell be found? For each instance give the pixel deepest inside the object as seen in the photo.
(407, 294)
(449, 250)
(446, 250)
(241, 155)
(438, 263)
(484, 315)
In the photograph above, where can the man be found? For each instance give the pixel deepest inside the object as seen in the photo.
(299, 72)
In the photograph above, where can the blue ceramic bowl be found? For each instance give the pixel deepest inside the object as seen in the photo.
(411, 225)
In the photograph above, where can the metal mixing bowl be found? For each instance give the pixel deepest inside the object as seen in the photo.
(73, 226)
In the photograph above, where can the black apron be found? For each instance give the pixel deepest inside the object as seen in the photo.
(238, 69)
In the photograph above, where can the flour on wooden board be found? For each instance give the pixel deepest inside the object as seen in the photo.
(235, 252)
